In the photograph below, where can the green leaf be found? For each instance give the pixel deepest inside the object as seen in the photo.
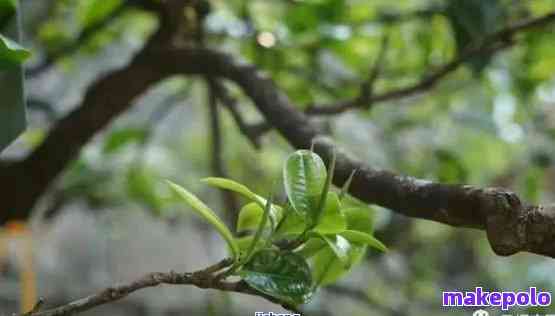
(333, 221)
(223, 183)
(249, 217)
(201, 209)
(340, 247)
(311, 247)
(282, 275)
(294, 224)
(11, 53)
(245, 242)
(360, 219)
(7, 11)
(304, 177)
(327, 269)
(363, 238)
(8, 4)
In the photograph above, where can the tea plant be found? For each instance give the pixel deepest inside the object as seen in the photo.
(290, 250)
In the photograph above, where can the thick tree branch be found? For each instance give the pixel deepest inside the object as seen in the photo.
(25, 181)
(489, 45)
(511, 225)
(204, 279)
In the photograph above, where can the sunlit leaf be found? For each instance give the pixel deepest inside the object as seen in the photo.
(201, 209)
(283, 275)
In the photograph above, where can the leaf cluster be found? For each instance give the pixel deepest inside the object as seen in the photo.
(287, 251)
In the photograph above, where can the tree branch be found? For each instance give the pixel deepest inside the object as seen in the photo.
(489, 45)
(511, 225)
(204, 279)
(252, 132)
(25, 181)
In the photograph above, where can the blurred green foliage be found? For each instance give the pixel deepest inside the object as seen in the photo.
(490, 122)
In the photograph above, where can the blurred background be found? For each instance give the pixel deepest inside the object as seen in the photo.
(106, 219)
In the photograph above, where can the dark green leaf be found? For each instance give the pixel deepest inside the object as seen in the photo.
(283, 275)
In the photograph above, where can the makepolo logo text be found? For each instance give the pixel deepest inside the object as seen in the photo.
(505, 300)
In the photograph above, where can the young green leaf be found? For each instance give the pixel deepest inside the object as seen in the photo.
(360, 219)
(227, 184)
(333, 221)
(245, 242)
(363, 238)
(201, 209)
(283, 275)
(327, 269)
(304, 177)
(311, 247)
(249, 217)
(11, 53)
(340, 247)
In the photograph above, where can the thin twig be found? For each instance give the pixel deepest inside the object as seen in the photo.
(487, 46)
(204, 279)
(251, 131)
